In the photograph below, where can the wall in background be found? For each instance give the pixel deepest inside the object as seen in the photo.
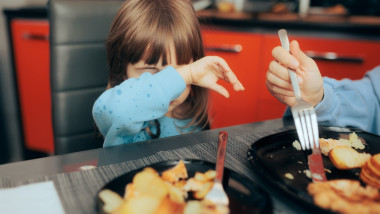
(10, 114)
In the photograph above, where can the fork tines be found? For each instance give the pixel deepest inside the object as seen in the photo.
(307, 127)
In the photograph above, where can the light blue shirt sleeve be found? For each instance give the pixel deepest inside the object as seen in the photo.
(351, 103)
(124, 109)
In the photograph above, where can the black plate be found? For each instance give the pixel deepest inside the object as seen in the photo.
(244, 195)
(274, 155)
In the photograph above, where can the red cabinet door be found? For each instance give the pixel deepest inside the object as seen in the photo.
(341, 58)
(31, 56)
(242, 53)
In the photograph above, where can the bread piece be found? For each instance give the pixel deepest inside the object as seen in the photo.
(328, 144)
(344, 157)
(353, 141)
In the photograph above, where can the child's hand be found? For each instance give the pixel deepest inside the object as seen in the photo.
(278, 80)
(207, 71)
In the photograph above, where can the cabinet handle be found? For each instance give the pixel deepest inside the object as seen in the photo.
(225, 48)
(32, 36)
(333, 57)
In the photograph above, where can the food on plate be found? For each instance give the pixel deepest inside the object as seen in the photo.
(150, 192)
(176, 173)
(370, 172)
(111, 199)
(328, 144)
(296, 145)
(289, 176)
(345, 196)
(344, 157)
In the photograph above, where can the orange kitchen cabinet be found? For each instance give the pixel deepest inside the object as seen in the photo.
(242, 51)
(31, 58)
(336, 57)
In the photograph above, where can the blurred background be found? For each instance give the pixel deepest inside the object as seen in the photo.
(11, 142)
(248, 29)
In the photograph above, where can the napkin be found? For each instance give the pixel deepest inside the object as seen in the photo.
(36, 198)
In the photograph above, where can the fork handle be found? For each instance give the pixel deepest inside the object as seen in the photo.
(293, 77)
(222, 143)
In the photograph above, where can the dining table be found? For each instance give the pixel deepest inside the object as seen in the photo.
(78, 176)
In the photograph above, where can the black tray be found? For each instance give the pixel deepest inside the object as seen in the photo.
(244, 195)
(274, 156)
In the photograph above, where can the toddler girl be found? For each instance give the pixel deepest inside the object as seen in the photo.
(159, 77)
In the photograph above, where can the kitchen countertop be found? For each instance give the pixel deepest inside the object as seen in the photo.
(329, 25)
(367, 27)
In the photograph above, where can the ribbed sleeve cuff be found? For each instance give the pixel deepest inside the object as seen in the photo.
(328, 102)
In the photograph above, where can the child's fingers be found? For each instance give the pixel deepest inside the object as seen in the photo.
(229, 76)
(238, 86)
(220, 89)
(223, 64)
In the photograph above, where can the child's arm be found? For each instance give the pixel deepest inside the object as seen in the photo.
(123, 109)
(207, 71)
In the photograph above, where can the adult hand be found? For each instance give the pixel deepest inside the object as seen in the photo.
(309, 78)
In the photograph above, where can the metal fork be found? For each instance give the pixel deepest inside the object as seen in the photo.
(303, 112)
(217, 195)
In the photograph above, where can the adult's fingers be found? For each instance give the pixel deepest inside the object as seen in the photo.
(277, 81)
(274, 89)
(279, 70)
(298, 53)
(285, 58)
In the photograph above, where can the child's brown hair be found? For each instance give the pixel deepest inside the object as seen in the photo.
(143, 29)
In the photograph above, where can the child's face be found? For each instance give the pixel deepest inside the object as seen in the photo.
(135, 70)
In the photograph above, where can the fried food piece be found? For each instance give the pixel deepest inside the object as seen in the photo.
(193, 207)
(149, 181)
(202, 207)
(370, 172)
(150, 193)
(344, 157)
(375, 161)
(169, 206)
(176, 173)
(141, 204)
(345, 196)
(204, 177)
(111, 200)
(206, 187)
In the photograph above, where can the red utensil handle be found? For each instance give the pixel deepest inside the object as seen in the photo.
(222, 143)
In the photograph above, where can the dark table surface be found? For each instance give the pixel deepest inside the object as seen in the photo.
(116, 160)
(110, 155)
